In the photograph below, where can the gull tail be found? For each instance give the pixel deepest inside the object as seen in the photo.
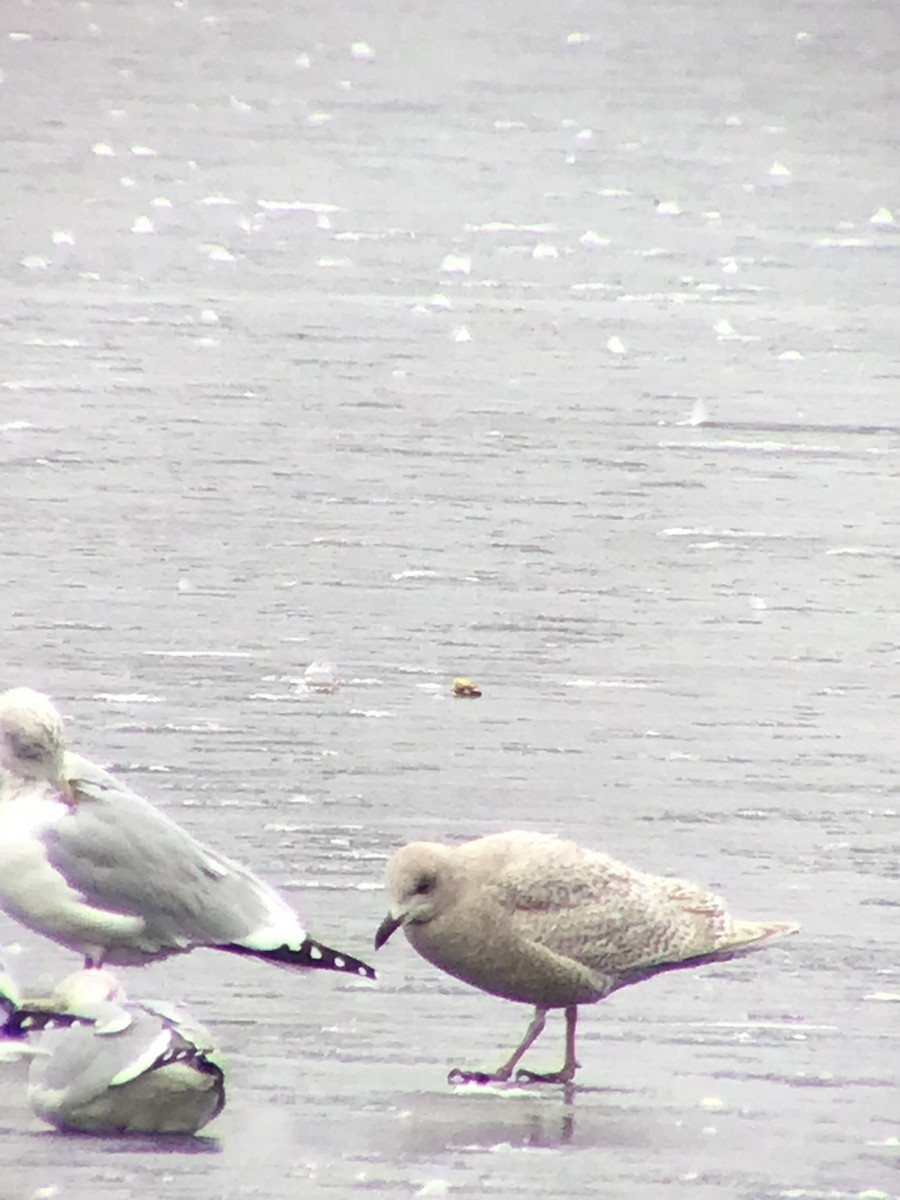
(309, 955)
(745, 936)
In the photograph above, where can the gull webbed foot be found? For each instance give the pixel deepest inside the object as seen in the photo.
(458, 1075)
(566, 1075)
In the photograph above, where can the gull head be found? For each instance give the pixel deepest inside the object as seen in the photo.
(32, 736)
(420, 884)
(93, 994)
(82, 991)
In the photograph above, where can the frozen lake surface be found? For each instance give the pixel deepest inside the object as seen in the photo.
(554, 345)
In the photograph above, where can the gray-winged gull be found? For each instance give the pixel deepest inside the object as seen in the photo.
(543, 921)
(89, 863)
(104, 1065)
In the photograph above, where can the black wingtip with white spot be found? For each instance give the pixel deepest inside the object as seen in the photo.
(26, 1020)
(311, 955)
(8, 1019)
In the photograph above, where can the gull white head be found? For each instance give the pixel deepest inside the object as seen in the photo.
(32, 736)
(421, 884)
(81, 992)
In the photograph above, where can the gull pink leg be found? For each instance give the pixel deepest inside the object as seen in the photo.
(502, 1074)
(571, 1065)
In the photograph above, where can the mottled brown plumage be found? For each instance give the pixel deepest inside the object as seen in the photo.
(546, 922)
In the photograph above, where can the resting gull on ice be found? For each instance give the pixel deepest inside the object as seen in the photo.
(543, 921)
(89, 863)
(104, 1065)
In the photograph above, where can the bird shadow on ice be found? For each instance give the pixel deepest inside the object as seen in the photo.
(477, 1117)
(130, 1143)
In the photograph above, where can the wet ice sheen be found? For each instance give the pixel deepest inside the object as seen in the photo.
(336, 436)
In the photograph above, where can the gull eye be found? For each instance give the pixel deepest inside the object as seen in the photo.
(424, 885)
(30, 749)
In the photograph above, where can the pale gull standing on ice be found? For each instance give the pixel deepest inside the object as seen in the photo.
(105, 1065)
(543, 921)
(89, 863)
